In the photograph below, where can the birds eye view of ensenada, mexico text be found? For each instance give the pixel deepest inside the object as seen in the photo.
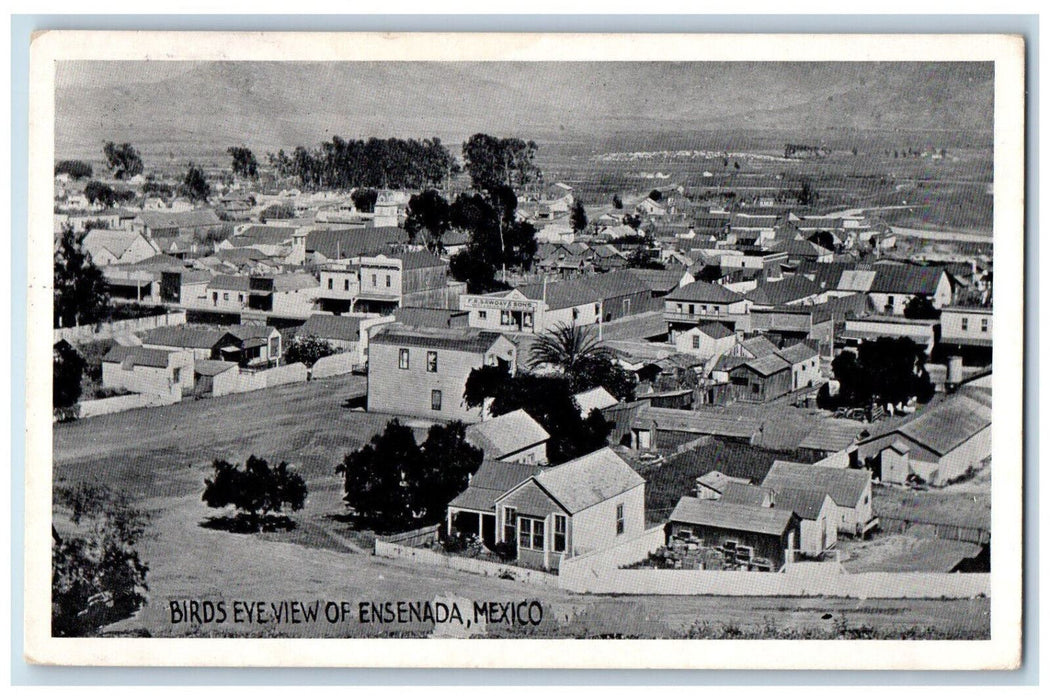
(427, 349)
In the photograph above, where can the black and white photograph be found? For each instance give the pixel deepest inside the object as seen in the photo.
(658, 339)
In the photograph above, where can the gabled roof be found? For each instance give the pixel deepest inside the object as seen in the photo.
(662, 281)
(345, 328)
(563, 295)
(803, 503)
(492, 480)
(434, 318)
(746, 494)
(236, 283)
(832, 435)
(856, 280)
(698, 422)
(715, 330)
(799, 352)
(767, 364)
(717, 481)
(704, 292)
(459, 339)
(179, 219)
(116, 242)
(783, 291)
(598, 397)
(506, 434)
(906, 279)
(845, 486)
(413, 259)
(731, 516)
(759, 346)
(212, 368)
(589, 480)
(251, 331)
(200, 337)
(947, 425)
(609, 285)
(257, 234)
(351, 243)
(139, 356)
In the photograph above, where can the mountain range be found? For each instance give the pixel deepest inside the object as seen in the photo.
(193, 108)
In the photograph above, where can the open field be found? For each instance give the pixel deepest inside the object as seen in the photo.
(161, 457)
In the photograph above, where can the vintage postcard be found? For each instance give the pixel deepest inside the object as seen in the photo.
(581, 351)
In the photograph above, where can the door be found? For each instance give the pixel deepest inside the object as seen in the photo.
(645, 440)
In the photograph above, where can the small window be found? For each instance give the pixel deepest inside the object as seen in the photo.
(575, 314)
(509, 524)
(388, 280)
(225, 296)
(504, 318)
(692, 308)
(375, 281)
(984, 325)
(214, 296)
(755, 388)
(346, 285)
(240, 297)
(526, 320)
(435, 400)
(696, 342)
(329, 282)
(619, 518)
(432, 361)
(965, 323)
(597, 310)
(402, 358)
(177, 375)
(560, 528)
(483, 315)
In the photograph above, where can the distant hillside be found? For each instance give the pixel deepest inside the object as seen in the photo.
(189, 109)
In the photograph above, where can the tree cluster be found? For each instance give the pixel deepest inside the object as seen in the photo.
(497, 238)
(67, 371)
(97, 574)
(582, 359)
(195, 185)
(492, 161)
(308, 349)
(244, 163)
(123, 160)
(393, 483)
(256, 490)
(882, 371)
(101, 193)
(76, 169)
(157, 189)
(387, 163)
(364, 199)
(81, 296)
(921, 307)
(428, 214)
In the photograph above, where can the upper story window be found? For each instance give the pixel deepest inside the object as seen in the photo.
(619, 519)
(329, 282)
(965, 322)
(432, 361)
(388, 280)
(984, 325)
(402, 358)
(346, 285)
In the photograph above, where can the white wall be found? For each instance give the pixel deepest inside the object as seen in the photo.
(595, 528)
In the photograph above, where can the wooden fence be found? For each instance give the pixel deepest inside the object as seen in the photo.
(944, 531)
(414, 538)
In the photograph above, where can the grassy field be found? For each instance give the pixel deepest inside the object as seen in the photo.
(161, 457)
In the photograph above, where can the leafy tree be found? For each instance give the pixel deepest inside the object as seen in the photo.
(480, 276)
(255, 490)
(194, 185)
(123, 160)
(885, 370)
(484, 382)
(101, 193)
(602, 371)
(428, 212)
(642, 259)
(495, 161)
(548, 399)
(68, 370)
(807, 195)
(824, 239)
(308, 349)
(444, 471)
(617, 202)
(374, 477)
(244, 162)
(578, 216)
(76, 169)
(632, 220)
(157, 189)
(364, 200)
(497, 238)
(921, 307)
(80, 289)
(97, 575)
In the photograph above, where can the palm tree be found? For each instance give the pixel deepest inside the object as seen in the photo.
(565, 347)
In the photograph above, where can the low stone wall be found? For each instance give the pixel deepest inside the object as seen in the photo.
(116, 404)
(333, 365)
(428, 558)
(743, 583)
(87, 333)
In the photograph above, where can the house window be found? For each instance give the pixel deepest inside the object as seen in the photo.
(965, 323)
(619, 518)
(215, 297)
(346, 285)
(509, 529)
(388, 280)
(680, 307)
(504, 318)
(755, 388)
(526, 320)
(984, 325)
(375, 282)
(225, 296)
(889, 302)
(560, 527)
(240, 297)
(597, 310)
(273, 347)
(696, 342)
(432, 361)
(177, 375)
(692, 309)
(435, 400)
(329, 282)
(530, 535)
(483, 315)
(402, 358)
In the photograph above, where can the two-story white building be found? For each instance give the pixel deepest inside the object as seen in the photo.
(703, 302)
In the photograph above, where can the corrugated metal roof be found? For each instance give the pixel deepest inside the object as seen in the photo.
(506, 434)
(731, 516)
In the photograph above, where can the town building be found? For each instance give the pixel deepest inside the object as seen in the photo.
(511, 437)
(423, 372)
(390, 281)
(753, 530)
(346, 333)
(966, 331)
(701, 302)
(109, 247)
(151, 371)
(849, 490)
(894, 285)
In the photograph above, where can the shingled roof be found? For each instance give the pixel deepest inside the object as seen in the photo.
(506, 434)
(589, 480)
(704, 292)
(461, 339)
(845, 486)
(906, 279)
(492, 480)
(345, 328)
